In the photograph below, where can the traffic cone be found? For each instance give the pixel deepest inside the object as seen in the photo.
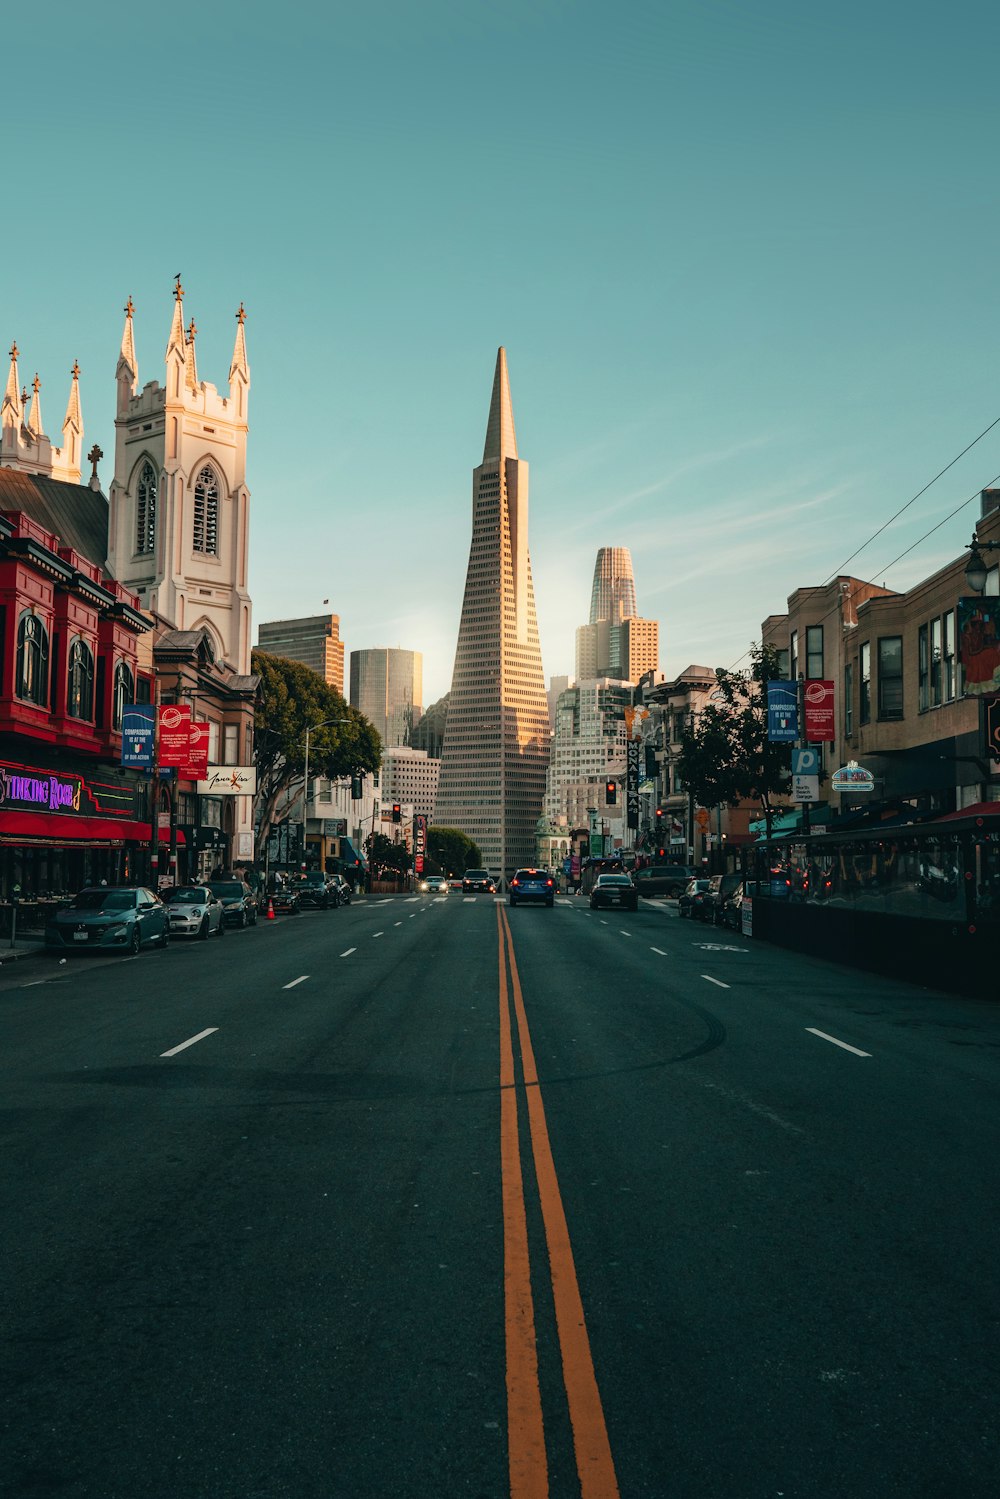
(270, 908)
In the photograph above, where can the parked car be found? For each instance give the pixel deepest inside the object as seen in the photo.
(719, 887)
(692, 897)
(614, 891)
(478, 881)
(343, 888)
(663, 879)
(194, 912)
(121, 917)
(314, 889)
(732, 909)
(531, 885)
(434, 884)
(239, 904)
(284, 896)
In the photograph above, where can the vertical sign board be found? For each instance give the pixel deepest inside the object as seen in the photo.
(632, 784)
(175, 726)
(991, 727)
(782, 712)
(419, 842)
(195, 767)
(139, 735)
(819, 711)
(979, 644)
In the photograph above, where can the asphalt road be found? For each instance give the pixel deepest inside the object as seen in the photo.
(427, 1198)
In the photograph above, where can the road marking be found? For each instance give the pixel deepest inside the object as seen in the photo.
(412, 914)
(824, 1037)
(296, 981)
(594, 1462)
(399, 923)
(622, 933)
(602, 921)
(200, 1037)
(711, 980)
(659, 950)
(347, 954)
(469, 899)
(378, 934)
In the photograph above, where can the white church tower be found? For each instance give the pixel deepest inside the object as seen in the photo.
(178, 532)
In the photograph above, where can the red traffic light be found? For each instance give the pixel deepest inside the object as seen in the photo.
(611, 792)
(397, 812)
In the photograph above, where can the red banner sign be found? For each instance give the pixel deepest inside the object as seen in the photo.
(819, 712)
(195, 767)
(175, 725)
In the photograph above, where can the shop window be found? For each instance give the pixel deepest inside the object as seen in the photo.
(32, 660)
(890, 677)
(80, 688)
(206, 513)
(124, 695)
(865, 684)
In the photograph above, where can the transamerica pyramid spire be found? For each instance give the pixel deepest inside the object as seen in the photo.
(496, 740)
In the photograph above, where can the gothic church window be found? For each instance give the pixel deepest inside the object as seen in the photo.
(206, 513)
(32, 660)
(145, 510)
(80, 696)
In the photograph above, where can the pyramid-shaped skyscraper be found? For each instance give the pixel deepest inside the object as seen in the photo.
(496, 742)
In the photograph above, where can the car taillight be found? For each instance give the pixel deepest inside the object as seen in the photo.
(515, 882)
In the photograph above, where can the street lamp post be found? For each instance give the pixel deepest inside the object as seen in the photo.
(975, 569)
(325, 724)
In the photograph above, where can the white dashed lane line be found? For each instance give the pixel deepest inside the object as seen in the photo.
(190, 1042)
(844, 1044)
(659, 950)
(399, 923)
(347, 954)
(378, 934)
(300, 980)
(622, 933)
(711, 980)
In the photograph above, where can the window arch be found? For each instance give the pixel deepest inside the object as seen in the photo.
(32, 660)
(124, 694)
(206, 512)
(145, 509)
(80, 693)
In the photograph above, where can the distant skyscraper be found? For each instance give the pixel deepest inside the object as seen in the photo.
(496, 738)
(616, 643)
(387, 686)
(315, 641)
(613, 594)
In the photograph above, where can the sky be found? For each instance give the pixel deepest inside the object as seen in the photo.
(741, 253)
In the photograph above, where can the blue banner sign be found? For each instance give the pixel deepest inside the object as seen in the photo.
(138, 735)
(782, 711)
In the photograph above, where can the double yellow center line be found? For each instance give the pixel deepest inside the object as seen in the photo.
(527, 1462)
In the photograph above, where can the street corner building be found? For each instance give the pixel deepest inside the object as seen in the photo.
(496, 741)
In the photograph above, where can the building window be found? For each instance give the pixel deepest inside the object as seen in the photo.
(935, 662)
(793, 656)
(923, 670)
(231, 740)
(123, 695)
(814, 651)
(848, 699)
(145, 510)
(32, 660)
(206, 513)
(890, 676)
(865, 684)
(949, 669)
(781, 664)
(80, 693)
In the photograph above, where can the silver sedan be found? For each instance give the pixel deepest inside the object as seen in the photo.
(194, 911)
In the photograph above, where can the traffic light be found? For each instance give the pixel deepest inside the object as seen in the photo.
(397, 812)
(356, 791)
(611, 792)
(659, 820)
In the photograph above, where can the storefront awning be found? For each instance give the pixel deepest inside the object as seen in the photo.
(56, 829)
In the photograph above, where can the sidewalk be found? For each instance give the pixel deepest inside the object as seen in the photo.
(24, 947)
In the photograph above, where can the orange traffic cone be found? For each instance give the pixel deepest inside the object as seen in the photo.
(270, 908)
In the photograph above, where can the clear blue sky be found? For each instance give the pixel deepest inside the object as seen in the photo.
(743, 258)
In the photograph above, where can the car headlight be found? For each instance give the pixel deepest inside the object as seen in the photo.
(196, 912)
(118, 931)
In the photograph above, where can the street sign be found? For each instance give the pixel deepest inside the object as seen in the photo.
(992, 727)
(632, 783)
(805, 788)
(805, 762)
(229, 780)
(852, 777)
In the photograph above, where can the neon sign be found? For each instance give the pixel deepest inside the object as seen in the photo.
(55, 792)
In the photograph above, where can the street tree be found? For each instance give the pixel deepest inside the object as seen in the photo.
(452, 851)
(291, 699)
(386, 857)
(725, 755)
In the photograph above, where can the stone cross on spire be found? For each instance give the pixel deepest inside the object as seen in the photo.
(13, 409)
(34, 422)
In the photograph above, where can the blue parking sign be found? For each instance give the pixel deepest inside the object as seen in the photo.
(805, 762)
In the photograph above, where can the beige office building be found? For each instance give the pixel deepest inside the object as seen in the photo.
(387, 686)
(496, 743)
(315, 641)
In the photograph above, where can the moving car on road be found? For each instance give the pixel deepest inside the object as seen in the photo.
(614, 890)
(239, 904)
(434, 884)
(531, 885)
(194, 912)
(110, 916)
(663, 879)
(478, 881)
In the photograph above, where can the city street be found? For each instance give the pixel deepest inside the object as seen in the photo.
(426, 1197)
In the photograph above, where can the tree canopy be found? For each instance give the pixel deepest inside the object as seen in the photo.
(726, 756)
(293, 698)
(452, 851)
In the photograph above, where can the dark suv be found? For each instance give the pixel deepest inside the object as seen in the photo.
(720, 888)
(479, 880)
(315, 889)
(239, 904)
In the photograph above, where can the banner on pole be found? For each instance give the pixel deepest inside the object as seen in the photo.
(139, 735)
(782, 711)
(819, 711)
(175, 723)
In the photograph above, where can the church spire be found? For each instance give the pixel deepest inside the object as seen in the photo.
(190, 363)
(13, 410)
(500, 440)
(176, 342)
(239, 364)
(34, 422)
(126, 359)
(72, 430)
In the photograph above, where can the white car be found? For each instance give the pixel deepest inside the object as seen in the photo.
(194, 911)
(434, 884)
